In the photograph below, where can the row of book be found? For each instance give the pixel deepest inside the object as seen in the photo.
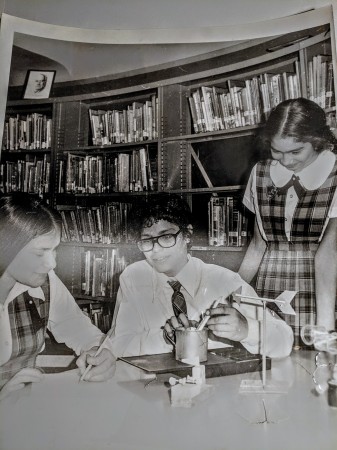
(31, 175)
(101, 269)
(106, 223)
(99, 315)
(135, 123)
(228, 226)
(239, 103)
(124, 172)
(249, 102)
(29, 132)
(320, 81)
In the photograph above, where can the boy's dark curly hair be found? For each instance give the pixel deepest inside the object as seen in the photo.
(169, 207)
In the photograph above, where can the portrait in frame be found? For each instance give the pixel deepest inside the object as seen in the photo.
(38, 84)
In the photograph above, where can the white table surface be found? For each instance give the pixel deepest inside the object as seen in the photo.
(61, 414)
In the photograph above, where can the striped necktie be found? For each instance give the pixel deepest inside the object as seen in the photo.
(178, 299)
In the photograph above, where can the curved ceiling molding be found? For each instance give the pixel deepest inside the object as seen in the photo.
(171, 35)
(11, 25)
(22, 61)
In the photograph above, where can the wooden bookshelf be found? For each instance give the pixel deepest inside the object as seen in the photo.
(194, 164)
(27, 156)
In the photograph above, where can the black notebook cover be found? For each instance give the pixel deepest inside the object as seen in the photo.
(220, 362)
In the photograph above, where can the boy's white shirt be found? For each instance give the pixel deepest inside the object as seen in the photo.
(144, 304)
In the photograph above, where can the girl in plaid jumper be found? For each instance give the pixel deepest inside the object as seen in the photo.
(294, 199)
(33, 298)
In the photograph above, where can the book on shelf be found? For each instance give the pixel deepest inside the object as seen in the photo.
(99, 276)
(91, 226)
(233, 222)
(143, 161)
(216, 94)
(329, 92)
(96, 313)
(208, 108)
(105, 224)
(123, 173)
(227, 224)
(29, 174)
(70, 226)
(194, 115)
(89, 174)
(242, 102)
(320, 80)
(136, 122)
(237, 92)
(216, 216)
(99, 314)
(100, 272)
(96, 123)
(201, 124)
(29, 132)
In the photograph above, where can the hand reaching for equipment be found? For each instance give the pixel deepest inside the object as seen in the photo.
(175, 323)
(227, 322)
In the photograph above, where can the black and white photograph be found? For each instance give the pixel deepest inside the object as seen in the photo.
(168, 225)
(38, 84)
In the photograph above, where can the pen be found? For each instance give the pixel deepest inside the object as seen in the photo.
(208, 314)
(167, 336)
(98, 351)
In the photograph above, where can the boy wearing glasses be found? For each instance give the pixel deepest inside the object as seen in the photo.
(147, 311)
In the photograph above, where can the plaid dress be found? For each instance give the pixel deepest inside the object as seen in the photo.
(289, 265)
(28, 321)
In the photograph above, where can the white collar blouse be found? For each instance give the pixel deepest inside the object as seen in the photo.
(311, 177)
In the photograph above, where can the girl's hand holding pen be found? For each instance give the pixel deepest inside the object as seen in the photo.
(103, 365)
(227, 322)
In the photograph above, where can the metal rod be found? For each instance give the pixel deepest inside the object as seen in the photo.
(259, 298)
(264, 346)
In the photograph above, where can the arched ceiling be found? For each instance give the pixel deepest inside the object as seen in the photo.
(75, 61)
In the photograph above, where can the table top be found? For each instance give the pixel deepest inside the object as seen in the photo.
(132, 411)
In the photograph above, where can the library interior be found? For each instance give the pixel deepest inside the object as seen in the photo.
(133, 161)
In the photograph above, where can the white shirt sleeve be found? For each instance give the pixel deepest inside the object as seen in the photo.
(249, 199)
(67, 322)
(279, 336)
(132, 335)
(5, 335)
(333, 207)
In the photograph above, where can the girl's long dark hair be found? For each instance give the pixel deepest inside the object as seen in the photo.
(301, 119)
(22, 218)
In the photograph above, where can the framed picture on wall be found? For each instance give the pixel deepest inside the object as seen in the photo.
(38, 83)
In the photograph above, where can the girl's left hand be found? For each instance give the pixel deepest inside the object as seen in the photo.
(20, 380)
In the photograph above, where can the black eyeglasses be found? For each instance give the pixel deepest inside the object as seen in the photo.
(165, 241)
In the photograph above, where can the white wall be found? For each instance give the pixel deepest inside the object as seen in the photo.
(130, 14)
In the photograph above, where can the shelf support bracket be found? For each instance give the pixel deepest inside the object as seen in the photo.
(201, 167)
